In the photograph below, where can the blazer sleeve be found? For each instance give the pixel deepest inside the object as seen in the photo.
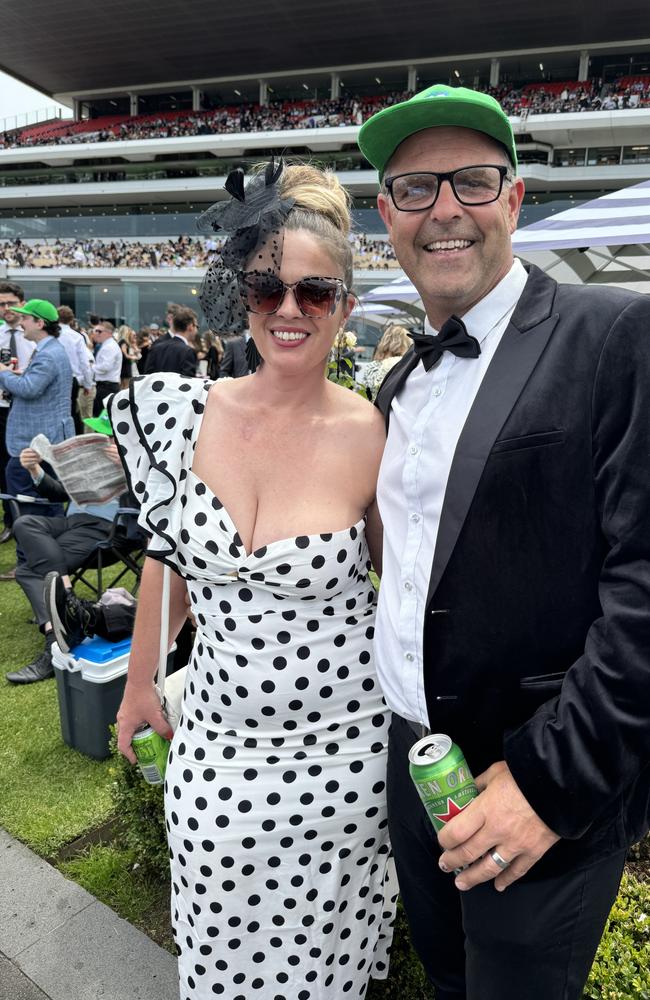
(51, 489)
(33, 382)
(585, 748)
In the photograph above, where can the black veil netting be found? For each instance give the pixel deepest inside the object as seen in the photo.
(252, 220)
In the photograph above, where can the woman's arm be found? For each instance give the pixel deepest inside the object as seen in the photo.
(140, 702)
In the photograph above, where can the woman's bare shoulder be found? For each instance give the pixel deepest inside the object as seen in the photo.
(361, 417)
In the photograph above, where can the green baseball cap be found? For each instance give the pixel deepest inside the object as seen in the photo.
(39, 308)
(380, 136)
(100, 424)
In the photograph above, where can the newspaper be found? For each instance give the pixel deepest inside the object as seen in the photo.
(84, 467)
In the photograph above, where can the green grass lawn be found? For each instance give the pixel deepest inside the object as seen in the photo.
(50, 793)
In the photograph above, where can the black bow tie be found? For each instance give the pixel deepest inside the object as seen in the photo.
(452, 337)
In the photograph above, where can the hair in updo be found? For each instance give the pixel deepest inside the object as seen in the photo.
(322, 208)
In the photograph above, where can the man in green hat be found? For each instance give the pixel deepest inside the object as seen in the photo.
(40, 394)
(514, 611)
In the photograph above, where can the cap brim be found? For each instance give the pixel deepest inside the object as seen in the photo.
(99, 426)
(385, 131)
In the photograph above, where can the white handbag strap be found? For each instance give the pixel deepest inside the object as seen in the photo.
(164, 632)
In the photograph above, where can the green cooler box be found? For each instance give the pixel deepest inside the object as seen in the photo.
(90, 683)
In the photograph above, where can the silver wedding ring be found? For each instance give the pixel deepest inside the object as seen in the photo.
(498, 860)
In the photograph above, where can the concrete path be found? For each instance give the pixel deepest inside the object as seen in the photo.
(57, 942)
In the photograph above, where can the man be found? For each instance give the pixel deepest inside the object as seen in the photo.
(514, 607)
(176, 354)
(165, 336)
(234, 363)
(40, 393)
(12, 345)
(79, 358)
(108, 363)
(54, 545)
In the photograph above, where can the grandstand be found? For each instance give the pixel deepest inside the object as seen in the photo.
(98, 212)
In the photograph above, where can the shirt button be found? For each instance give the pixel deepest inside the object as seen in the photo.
(408, 586)
(437, 391)
(410, 657)
(415, 518)
(413, 449)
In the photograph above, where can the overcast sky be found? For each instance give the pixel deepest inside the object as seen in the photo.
(17, 99)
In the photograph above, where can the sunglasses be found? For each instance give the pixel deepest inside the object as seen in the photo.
(264, 293)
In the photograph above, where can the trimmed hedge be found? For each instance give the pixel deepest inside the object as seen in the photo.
(621, 970)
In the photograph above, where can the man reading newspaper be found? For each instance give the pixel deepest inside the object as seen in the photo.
(90, 477)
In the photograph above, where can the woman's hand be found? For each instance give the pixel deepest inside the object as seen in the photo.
(139, 704)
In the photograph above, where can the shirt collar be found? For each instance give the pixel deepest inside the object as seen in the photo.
(486, 314)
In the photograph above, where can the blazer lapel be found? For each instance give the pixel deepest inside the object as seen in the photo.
(514, 360)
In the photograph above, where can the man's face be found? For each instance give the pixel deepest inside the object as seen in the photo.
(33, 328)
(454, 254)
(98, 334)
(7, 300)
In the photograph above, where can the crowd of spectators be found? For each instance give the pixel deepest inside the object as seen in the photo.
(186, 251)
(538, 98)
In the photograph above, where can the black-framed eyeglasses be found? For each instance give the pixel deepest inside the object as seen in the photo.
(316, 296)
(9, 305)
(476, 185)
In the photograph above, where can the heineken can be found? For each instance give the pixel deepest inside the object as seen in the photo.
(440, 773)
(151, 750)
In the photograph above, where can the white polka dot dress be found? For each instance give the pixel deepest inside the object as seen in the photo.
(275, 786)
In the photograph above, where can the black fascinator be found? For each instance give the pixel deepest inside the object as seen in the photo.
(252, 220)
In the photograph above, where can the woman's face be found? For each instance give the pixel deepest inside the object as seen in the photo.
(287, 338)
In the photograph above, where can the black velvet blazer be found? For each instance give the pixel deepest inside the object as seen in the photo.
(537, 623)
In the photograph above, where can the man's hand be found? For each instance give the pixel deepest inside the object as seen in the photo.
(30, 460)
(113, 453)
(499, 819)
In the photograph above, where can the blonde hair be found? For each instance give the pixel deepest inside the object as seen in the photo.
(127, 333)
(322, 208)
(394, 342)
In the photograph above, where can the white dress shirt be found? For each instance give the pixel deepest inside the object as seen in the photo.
(426, 420)
(78, 356)
(24, 351)
(108, 362)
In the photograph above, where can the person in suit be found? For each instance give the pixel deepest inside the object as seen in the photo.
(514, 611)
(233, 363)
(176, 353)
(12, 345)
(40, 394)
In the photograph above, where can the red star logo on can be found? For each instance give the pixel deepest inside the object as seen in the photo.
(452, 810)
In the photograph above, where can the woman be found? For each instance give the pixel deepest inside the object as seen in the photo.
(126, 339)
(214, 354)
(394, 343)
(143, 342)
(275, 782)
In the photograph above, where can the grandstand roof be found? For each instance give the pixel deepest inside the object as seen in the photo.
(67, 47)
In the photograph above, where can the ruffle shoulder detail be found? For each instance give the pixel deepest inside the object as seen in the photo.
(154, 423)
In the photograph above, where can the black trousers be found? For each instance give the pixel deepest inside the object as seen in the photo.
(104, 389)
(4, 458)
(535, 941)
(49, 544)
(74, 409)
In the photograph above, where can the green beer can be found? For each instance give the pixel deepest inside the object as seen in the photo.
(151, 750)
(440, 773)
